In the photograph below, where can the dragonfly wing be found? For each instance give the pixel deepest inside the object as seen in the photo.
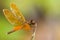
(10, 17)
(18, 14)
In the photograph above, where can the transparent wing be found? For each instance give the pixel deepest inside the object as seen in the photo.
(16, 12)
(11, 17)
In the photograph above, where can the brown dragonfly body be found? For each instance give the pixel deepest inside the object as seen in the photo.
(16, 18)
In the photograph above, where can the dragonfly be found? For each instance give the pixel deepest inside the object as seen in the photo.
(16, 18)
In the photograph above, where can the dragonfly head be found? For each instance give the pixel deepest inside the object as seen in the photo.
(32, 22)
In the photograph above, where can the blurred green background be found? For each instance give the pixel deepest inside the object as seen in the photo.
(52, 8)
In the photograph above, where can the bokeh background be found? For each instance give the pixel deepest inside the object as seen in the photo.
(32, 9)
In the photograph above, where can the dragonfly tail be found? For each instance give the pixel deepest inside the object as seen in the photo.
(11, 31)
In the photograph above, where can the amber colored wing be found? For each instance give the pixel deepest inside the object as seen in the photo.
(15, 17)
(11, 17)
(16, 12)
